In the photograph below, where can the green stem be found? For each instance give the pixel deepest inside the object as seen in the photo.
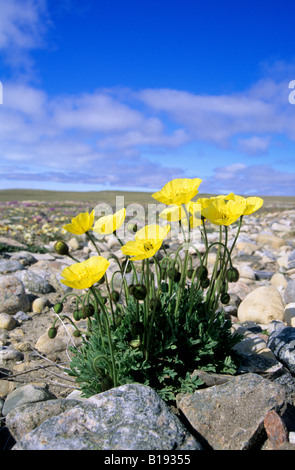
(108, 328)
(91, 238)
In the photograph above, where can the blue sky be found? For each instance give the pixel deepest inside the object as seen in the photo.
(128, 94)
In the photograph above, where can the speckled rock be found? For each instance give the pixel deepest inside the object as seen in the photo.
(282, 343)
(34, 283)
(12, 295)
(24, 418)
(230, 416)
(130, 417)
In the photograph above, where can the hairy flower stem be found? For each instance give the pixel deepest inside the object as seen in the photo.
(147, 319)
(91, 238)
(185, 262)
(108, 329)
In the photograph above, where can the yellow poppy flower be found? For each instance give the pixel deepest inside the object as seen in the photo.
(109, 223)
(148, 241)
(178, 191)
(85, 274)
(80, 224)
(224, 212)
(253, 204)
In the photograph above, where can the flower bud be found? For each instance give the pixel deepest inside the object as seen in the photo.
(88, 311)
(202, 273)
(225, 298)
(164, 287)
(205, 283)
(102, 279)
(58, 307)
(132, 228)
(76, 315)
(232, 275)
(174, 275)
(61, 248)
(115, 296)
(52, 332)
(190, 273)
(139, 291)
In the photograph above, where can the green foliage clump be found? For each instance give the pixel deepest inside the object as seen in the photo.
(178, 346)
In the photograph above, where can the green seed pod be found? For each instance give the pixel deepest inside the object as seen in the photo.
(77, 333)
(232, 275)
(58, 307)
(225, 298)
(52, 332)
(115, 296)
(137, 328)
(139, 291)
(205, 283)
(202, 273)
(61, 248)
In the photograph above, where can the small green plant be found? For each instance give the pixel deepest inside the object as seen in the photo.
(168, 320)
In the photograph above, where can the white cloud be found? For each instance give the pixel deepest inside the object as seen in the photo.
(23, 27)
(103, 137)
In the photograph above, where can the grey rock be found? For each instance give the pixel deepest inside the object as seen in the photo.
(130, 417)
(289, 295)
(24, 418)
(21, 316)
(34, 283)
(10, 266)
(230, 416)
(25, 394)
(25, 258)
(12, 295)
(7, 353)
(282, 343)
(291, 260)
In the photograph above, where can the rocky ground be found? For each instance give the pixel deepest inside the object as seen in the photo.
(265, 292)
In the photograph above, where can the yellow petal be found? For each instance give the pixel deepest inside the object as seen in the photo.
(81, 223)
(109, 223)
(85, 274)
(178, 191)
(253, 204)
